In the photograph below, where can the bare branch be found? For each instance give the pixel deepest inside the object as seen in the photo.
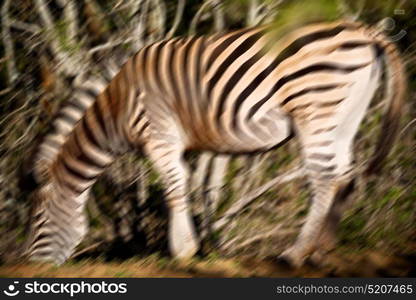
(258, 237)
(5, 91)
(86, 249)
(196, 19)
(140, 25)
(261, 12)
(253, 10)
(407, 126)
(110, 44)
(178, 17)
(69, 64)
(158, 20)
(8, 42)
(70, 18)
(244, 201)
(32, 28)
(217, 180)
(219, 18)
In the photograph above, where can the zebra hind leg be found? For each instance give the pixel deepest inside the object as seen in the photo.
(327, 240)
(326, 134)
(328, 163)
(167, 158)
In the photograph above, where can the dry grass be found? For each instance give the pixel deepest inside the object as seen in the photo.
(364, 264)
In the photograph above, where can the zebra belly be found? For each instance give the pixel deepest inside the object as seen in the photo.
(262, 133)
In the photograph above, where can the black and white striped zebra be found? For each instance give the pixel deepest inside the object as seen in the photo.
(240, 92)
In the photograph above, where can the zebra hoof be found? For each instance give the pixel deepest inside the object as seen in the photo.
(291, 259)
(283, 263)
(183, 242)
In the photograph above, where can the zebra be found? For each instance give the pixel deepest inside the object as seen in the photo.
(245, 91)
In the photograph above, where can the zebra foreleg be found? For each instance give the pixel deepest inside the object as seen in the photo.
(168, 160)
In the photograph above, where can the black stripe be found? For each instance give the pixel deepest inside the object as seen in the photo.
(138, 118)
(140, 132)
(354, 44)
(224, 45)
(322, 88)
(232, 82)
(96, 110)
(37, 216)
(326, 129)
(319, 168)
(62, 180)
(171, 71)
(240, 50)
(42, 253)
(41, 237)
(76, 104)
(319, 144)
(88, 92)
(89, 133)
(81, 155)
(129, 74)
(75, 172)
(65, 117)
(289, 51)
(157, 65)
(301, 106)
(379, 50)
(321, 116)
(321, 156)
(144, 59)
(330, 103)
(39, 246)
(186, 80)
(198, 65)
(194, 83)
(135, 71)
(314, 68)
(52, 143)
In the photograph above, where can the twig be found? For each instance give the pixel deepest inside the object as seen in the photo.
(110, 44)
(197, 17)
(178, 17)
(217, 180)
(68, 64)
(25, 133)
(407, 126)
(85, 250)
(253, 239)
(5, 91)
(8, 42)
(139, 28)
(161, 9)
(244, 201)
(32, 28)
(252, 12)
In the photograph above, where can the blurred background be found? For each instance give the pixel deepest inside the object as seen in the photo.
(247, 208)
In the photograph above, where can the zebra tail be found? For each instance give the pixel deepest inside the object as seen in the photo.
(395, 93)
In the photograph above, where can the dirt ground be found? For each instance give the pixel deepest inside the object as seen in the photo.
(369, 264)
